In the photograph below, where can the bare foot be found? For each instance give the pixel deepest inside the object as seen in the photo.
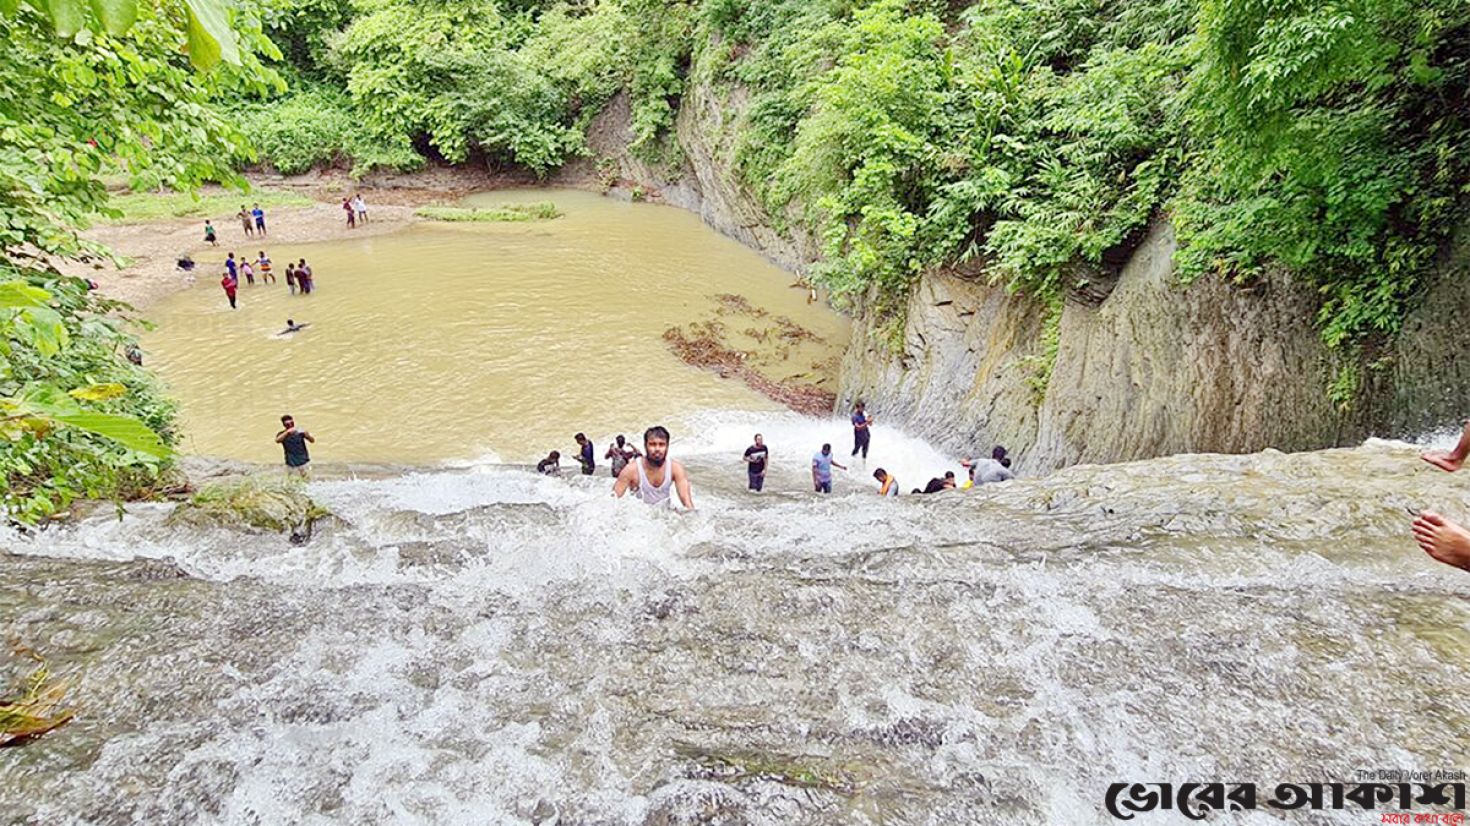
(1443, 461)
(1442, 539)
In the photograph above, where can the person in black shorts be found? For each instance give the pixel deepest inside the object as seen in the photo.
(860, 434)
(755, 463)
(294, 442)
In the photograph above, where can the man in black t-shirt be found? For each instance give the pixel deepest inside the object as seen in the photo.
(755, 463)
(586, 452)
(294, 442)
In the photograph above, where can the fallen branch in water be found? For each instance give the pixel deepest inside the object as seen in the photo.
(704, 346)
(34, 712)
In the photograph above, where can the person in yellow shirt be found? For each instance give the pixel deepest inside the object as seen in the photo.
(887, 481)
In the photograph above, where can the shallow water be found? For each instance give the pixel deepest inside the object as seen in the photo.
(489, 646)
(464, 341)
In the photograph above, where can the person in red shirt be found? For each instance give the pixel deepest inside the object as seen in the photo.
(229, 284)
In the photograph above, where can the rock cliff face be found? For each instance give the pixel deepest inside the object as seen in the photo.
(1147, 368)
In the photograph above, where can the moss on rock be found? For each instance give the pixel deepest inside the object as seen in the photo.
(268, 502)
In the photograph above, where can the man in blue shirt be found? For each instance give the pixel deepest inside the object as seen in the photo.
(860, 423)
(822, 470)
(588, 463)
(259, 215)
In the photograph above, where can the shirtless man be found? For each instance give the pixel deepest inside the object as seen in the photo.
(651, 476)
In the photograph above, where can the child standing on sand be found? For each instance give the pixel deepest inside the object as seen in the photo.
(209, 234)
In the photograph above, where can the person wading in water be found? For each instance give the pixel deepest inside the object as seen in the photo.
(756, 457)
(621, 453)
(294, 442)
(860, 434)
(651, 476)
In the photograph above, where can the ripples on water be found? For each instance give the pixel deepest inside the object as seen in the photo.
(487, 646)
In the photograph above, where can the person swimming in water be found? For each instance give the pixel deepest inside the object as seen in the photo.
(292, 326)
(551, 465)
(651, 476)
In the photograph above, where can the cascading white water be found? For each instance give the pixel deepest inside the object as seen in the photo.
(482, 645)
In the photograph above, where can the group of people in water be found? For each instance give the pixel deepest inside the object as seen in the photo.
(299, 277)
(653, 477)
(635, 470)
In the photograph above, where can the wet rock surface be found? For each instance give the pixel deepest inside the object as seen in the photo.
(997, 656)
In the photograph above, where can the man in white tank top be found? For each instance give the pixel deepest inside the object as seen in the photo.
(652, 475)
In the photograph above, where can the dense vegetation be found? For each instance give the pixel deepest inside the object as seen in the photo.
(92, 90)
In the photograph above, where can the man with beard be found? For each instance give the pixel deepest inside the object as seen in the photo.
(652, 476)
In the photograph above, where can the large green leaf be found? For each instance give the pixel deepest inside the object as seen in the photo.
(117, 16)
(9, 6)
(210, 37)
(125, 430)
(99, 392)
(45, 330)
(67, 16)
(20, 294)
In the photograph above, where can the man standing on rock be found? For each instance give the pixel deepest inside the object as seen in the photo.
(655, 473)
(860, 424)
(294, 442)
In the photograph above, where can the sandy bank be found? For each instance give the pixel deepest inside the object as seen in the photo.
(152, 248)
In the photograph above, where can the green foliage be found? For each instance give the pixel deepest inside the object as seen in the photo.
(70, 112)
(503, 213)
(207, 30)
(138, 207)
(514, 82)
(1036, 133)
(318, 127)
(109, 435)
(1331, 142)
(90, 90)
(1041, 362)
